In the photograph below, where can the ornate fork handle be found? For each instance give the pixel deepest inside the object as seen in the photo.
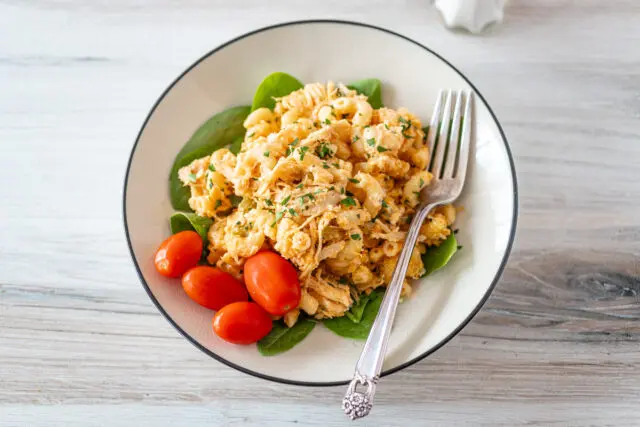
(357, 404)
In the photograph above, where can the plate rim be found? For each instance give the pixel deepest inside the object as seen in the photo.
(456, 331)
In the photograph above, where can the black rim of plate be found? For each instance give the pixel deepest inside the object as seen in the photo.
(498, 274)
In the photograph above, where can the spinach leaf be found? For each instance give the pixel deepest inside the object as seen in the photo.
(282, 338)
(357, 310)
(274, 86)
(437, 257)
(372, 88)
(345, 327)
(236, 145)
(215, 133)
(426, 134)
(182, 221)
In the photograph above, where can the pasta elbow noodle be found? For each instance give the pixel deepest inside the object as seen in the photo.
(363, 114)
(391, 249)
(258, 116)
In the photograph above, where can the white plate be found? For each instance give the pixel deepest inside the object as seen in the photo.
(320, 51)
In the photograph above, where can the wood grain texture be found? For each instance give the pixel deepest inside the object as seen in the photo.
(80, 343)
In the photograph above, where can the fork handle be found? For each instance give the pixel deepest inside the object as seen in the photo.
(358, 404)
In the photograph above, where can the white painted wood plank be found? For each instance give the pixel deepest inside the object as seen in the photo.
(240, 413)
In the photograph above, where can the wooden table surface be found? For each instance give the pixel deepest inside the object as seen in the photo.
(81, 344)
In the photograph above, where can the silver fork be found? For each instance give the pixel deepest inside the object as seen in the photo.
(448, 138)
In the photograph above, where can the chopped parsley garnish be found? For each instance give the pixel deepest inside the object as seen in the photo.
(292, 212)
(212, 168)
(325, 165)
(324, 150)
(384, 204)
(303, 151)
(266, 154)
(250, 135)
(381, 149)
(291, 147)
(218, 204)
(278, 218)
(348, 201)
(405, 125)
(371, 142)
(299, 186)
(355, 181)
(355, 138)
(327, 121)
(332, 188)
(210, 185)
(386, 126)
(421, 182)
(285, 200)
(193, 177)
(306, 196)
(356, 237)
(268, 202)
(342, 190)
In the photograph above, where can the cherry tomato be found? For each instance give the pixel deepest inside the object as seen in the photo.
(178, 253)
(213, 288)
(272, 282)
(242, 323)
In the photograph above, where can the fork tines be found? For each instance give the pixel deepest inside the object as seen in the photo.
(449, 134)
